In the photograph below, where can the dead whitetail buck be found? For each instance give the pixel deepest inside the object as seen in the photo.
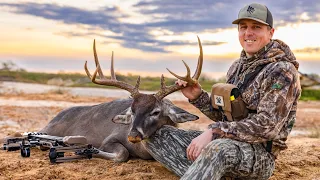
(117, 127)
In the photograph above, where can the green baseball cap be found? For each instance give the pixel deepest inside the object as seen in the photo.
(257, 12)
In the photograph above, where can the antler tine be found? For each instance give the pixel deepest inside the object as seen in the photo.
(166, 90)
(162, 82)
(185, 78)
(200, 62)
(96, 60)
(113, 75)
(134, 90)
(138, 83)
(93, 79)
(86, 69)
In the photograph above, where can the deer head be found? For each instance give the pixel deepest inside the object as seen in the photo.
(148, 112)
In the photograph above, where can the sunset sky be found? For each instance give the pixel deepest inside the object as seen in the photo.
(146, 36)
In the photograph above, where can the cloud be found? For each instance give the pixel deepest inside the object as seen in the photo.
(195, 15)
(286, 11)
(134, 36)
(105, 17)
(175, 16)
(190, 15)
(153, 45)
(220, 13)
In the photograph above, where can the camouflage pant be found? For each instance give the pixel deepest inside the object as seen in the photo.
(220, 158)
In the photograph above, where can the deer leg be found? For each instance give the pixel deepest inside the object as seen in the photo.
(112, 150)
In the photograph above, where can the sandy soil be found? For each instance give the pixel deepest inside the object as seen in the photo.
(300, 161)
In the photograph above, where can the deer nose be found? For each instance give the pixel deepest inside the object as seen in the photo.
(134, 137)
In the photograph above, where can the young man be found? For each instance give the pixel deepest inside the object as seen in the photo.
(266, 75)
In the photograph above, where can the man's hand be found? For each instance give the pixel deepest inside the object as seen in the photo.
(190, 92)
(198, 143)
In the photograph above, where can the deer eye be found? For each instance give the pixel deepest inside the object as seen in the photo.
(154, 113)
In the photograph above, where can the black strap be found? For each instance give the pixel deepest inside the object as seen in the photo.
(269, 146)
(250, 76)
(252, 111)
(224, 117)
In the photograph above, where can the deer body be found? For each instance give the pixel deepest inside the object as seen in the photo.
(117, 128)
(96, 124)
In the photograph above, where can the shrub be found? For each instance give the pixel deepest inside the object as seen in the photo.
(310, 94)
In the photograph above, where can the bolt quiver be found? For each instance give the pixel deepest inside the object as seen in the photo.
(227, 99)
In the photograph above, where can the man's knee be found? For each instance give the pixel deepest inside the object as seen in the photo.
(224, 150)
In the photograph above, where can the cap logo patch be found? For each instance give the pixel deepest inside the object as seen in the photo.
(250, 9)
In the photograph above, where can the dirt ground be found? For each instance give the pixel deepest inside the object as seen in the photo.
(300, 161)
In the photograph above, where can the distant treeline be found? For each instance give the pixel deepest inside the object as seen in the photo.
(8, 73)
(81, 80)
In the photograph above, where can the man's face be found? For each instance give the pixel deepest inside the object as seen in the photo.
(254, 35)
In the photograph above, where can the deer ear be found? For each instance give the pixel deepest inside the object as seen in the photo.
(125, 117)
(179, 115)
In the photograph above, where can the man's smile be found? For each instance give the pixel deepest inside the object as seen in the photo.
(249, 40)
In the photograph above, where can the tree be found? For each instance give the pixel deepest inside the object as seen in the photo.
(8, 66)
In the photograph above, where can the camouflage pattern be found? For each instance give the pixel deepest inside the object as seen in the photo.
(220, 158)
(204, 104)
(273, 93)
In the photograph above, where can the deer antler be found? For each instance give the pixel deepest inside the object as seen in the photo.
(134, 90)
(166, 90)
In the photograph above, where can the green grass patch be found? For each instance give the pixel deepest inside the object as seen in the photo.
(36, 77)
(310, 94)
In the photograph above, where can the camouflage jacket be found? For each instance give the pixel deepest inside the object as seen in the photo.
(273, 93)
